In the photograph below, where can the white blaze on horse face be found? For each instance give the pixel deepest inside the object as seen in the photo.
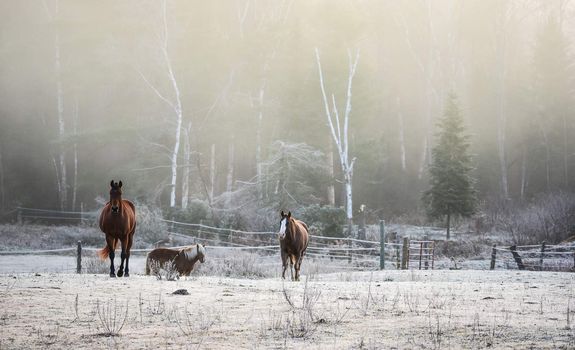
(283, 224)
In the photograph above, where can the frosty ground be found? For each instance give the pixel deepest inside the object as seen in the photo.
(381, 309)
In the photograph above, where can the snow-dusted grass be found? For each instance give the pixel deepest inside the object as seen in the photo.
(382, 309)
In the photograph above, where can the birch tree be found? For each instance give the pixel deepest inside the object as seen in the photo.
(340, 129)
(174, 103)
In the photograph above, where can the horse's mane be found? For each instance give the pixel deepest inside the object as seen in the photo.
(192, 252)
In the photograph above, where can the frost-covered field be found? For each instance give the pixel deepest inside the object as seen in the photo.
(383, 309)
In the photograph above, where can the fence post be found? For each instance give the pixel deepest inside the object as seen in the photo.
(405, 253)
(79, 258)
(381, 244)
(349, 235)
(541, 256)
(493, 256)
(517, 258)
(420, 253)
(397, 258)
(432, 254)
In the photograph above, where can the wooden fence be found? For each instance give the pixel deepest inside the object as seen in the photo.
(537, 257)
(359, 253)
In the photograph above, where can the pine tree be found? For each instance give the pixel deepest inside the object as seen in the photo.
(452, 190)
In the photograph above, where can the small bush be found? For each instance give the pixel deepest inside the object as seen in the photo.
(149, 228)
(196, 211)
(550, 217)
(329, 221)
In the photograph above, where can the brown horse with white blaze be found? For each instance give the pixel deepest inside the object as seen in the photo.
(294, 237)
(118, 222)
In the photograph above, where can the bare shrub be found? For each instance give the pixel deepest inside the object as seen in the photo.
(196, 323)
(47, 337)
(236, 264)
(550, 217)
(150, 226)
(301, 321)
(157, 308)
(112, 317)
(167, 270)
(95, 265)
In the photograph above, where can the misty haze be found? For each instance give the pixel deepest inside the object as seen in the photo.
(405, 135)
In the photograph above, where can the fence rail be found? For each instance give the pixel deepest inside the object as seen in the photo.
(535, 257)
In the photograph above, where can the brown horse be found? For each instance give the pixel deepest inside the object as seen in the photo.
(118, 222)
(183, 260)
(294, 237)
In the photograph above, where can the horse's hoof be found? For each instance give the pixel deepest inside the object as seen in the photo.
(112, 275)
(127, 274)
(120, 273)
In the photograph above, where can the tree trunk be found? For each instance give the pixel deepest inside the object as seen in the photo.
(348, 197)
(174, 159)
(340, 138)
(177, 106)
(330, 185)
(187, 166)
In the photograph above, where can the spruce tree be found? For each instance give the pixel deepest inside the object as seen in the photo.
(451, 192)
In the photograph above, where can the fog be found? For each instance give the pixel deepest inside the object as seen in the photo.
(220, 102)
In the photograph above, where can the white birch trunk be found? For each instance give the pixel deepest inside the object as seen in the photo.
(175, 105)
(340, 139)
(331, 185)
(187, 166)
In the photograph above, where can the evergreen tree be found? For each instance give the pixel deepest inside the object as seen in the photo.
(452, 190)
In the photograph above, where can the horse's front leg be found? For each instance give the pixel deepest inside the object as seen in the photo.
(127, 254)
(111, 253)
(284, 263)
(291, 260)
(298, 266)
(123, 257)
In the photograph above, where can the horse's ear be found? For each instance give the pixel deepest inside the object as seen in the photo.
(112, 183)
(120, 184)
(289, 214)
(282, 214)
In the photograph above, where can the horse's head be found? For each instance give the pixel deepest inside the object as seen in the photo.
(201, 253)
(115, 196)
(284, 224)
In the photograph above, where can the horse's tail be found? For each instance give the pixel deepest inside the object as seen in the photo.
(105, 252)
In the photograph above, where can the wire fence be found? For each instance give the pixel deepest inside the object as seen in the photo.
(33, 215)
(541, 257)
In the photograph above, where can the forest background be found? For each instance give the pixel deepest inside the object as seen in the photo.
(214, 110)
